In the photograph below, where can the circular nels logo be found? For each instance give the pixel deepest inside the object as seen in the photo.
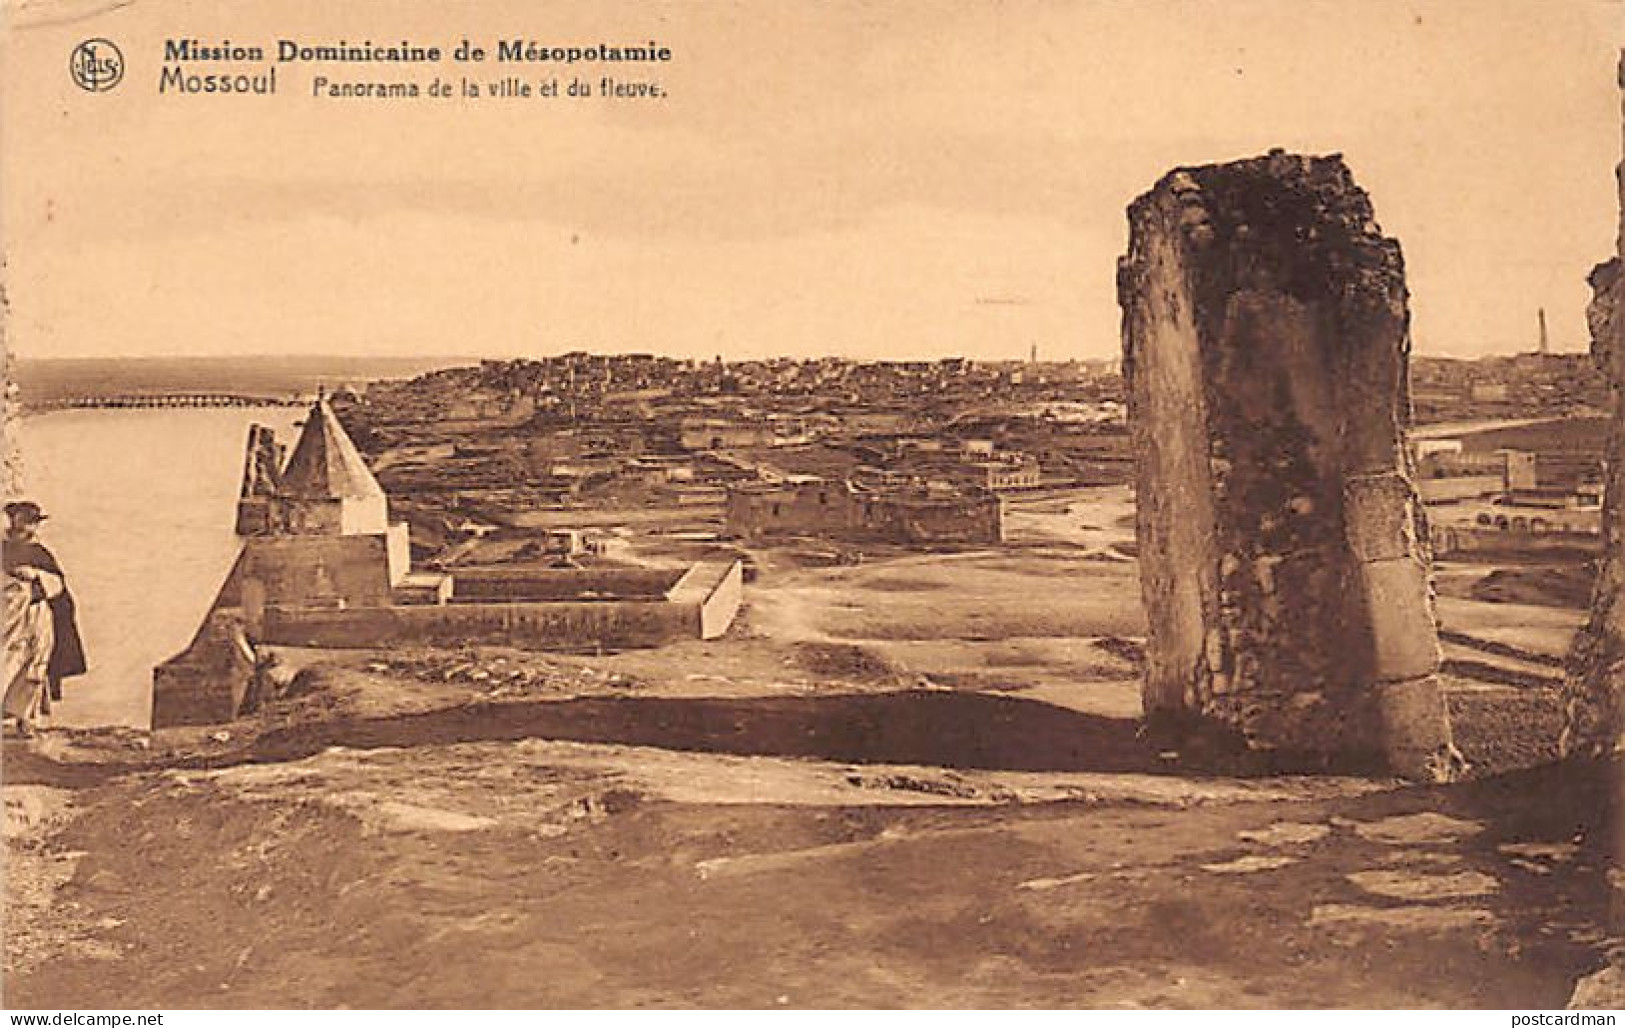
(97, 65)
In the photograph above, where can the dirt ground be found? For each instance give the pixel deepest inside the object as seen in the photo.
(912, 782)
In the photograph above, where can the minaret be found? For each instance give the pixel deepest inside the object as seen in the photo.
(1545, 344)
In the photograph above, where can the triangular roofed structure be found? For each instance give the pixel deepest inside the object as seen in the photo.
(325, 464)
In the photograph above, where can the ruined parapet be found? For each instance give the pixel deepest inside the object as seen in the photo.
(262, 478)
(262, 463)
(1283, 552)
(1594, 690)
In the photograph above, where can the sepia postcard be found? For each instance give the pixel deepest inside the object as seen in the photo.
(772, 505)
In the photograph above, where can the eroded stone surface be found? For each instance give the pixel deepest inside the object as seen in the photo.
(1284, 568)
(1405, 918)
(1412, 885)
(1410, 856)
(1558, 852)
(1424, 828)
(1249, 865)
(1601, 990)
(1286, 833)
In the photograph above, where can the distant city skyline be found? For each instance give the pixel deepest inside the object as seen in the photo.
(869, 180)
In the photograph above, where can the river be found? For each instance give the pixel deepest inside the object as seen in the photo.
(141, 506)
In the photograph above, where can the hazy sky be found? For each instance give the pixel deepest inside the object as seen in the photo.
(852, 178)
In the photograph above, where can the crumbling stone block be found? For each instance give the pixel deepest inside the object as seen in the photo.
(1283, 551)
(211, 681)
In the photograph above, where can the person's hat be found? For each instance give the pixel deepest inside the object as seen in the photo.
(24, 512)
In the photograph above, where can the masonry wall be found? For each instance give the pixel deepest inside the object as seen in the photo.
(1557, 543)
(967, 521)
(398, 548)
(1283, 553)
(306, 517)
(1594, 690)
(721, 606)
(717, 590)
(253, 515)
(309, 571)
(626, 624)
(365, 515)
(831, 510)
(819, 509)
(208, 682)
(521, 583)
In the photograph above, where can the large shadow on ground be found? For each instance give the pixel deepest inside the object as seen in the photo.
(954, 730)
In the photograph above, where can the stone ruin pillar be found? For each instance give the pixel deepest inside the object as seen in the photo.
(1594, 688)
(1284, 563)
(1595, 685)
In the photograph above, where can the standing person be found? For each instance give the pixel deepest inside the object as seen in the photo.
(21, 551)
(28, 644)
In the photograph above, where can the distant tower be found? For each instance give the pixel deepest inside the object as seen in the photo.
(1545, 344)
(1034, 358)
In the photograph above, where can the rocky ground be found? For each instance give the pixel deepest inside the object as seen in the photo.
(900, 784)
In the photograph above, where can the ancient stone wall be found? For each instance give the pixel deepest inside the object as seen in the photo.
(522, 583)
(717, 588)
(340, 570)
(1284, 563)
(818, 508)
(613, 624)
(722, 604)
(210, 680)
(968, 520)
(833, 510)
(1595, 686)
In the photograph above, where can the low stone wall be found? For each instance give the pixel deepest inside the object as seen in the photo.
(1449, 539)
(209, 682)
(718, 589)
(973, 521)
(620, 624)
(522, 583)
(834, 511)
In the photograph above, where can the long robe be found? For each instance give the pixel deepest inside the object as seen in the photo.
(28, 650)
(67, 650)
